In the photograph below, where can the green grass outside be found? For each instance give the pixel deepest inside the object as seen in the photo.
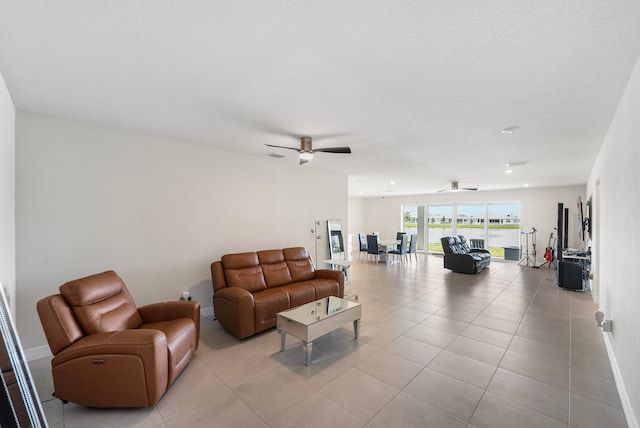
(465, 226)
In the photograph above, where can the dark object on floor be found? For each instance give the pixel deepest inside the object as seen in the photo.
(459, 257)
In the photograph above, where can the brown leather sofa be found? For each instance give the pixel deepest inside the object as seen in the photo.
(249, 289)
(107, 352)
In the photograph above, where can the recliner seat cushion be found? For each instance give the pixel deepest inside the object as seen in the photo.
(181, 341)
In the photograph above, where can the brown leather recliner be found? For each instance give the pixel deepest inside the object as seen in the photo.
(109, 353)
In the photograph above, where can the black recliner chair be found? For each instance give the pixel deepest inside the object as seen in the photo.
(459, 257)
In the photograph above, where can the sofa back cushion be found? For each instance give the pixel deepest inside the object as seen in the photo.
(101, 303)
(243, 270)
(275, 269)
(299, 263)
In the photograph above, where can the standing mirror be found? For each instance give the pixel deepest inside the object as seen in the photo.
(19, 402)
(336, 240)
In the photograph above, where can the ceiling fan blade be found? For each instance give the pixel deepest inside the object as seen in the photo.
(469, 188)
(283, 147)
(334, 150)
(303, 161)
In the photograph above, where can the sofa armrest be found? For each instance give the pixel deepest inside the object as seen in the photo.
(336, 275)
(233, 307)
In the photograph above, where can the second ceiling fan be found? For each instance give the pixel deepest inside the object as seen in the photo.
(306, 149)
(455, 188)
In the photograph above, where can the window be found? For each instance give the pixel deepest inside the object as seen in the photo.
(493, 226)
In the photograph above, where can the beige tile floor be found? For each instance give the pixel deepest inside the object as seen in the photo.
(504, 348)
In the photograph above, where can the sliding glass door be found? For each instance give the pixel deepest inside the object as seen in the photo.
(439, 223)
(504, 228)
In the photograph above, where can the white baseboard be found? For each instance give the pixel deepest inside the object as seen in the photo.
(37, 353)
(629, 414)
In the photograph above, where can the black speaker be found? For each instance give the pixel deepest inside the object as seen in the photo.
(569, 275)
(566, 227)
(559, 230)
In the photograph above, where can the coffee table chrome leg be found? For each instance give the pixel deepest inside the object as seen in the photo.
(356, 328)
(283, 339)
(307, 347)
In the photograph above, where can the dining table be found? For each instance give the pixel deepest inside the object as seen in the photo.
(388, 245)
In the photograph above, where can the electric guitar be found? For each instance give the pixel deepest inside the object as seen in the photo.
(548, 253)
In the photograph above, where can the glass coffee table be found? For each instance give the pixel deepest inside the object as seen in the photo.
(312, 320)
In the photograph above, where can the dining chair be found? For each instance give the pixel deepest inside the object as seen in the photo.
(413, 244)
(372, 248)
(402, 248)
(399, 236)
(362, 238)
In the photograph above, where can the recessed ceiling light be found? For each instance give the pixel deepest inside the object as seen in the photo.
(526, 185)
(519, 163)
(509, 171)
(392, 182)
(510, 130)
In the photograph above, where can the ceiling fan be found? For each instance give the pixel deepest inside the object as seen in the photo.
(306, 150)
(455, 188)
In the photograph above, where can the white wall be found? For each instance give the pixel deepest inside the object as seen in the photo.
(158, 212)
(7, 195)
(616, 175)
(539, 209)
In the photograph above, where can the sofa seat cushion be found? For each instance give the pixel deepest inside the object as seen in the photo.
(301, 293)
(181, 343)
(267, 305)
(325, 288)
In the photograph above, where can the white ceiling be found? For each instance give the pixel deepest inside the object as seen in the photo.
(421, 89)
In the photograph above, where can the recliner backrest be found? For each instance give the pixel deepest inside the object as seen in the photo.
(60, 325)
(101, 303)
(299, 263)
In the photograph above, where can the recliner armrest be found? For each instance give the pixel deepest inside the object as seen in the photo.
(143, 342)
(128, 368)
(167, 311)
(479, 250)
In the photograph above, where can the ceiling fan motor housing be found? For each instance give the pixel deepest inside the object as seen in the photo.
(305, 144)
